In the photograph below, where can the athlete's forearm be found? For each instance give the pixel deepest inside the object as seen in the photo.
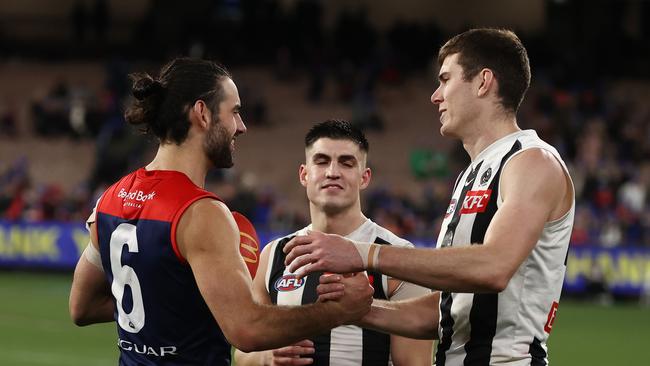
(415, 318)
(467, 269)
(271, 327)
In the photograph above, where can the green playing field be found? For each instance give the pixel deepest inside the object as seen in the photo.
(35, 329)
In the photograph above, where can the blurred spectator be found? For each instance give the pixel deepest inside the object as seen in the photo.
(51, 115)
(7, 117)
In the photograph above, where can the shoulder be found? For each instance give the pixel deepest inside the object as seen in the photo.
(206, 220)
(539, 162)
(209, 209)
(535, 175)
(385, 236)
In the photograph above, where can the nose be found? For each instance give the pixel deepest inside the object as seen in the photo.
(436, 97)
(332, 170)
(241, 127)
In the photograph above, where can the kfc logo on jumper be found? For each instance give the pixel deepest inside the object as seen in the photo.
(289, 283)
(476, 201)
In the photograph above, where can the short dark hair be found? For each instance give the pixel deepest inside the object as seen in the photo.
(161, 104)
(337, 129)
(499, 50)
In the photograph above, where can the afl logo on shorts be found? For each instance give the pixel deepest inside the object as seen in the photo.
(289, 283)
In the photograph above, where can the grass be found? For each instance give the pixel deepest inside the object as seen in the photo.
(36, 329)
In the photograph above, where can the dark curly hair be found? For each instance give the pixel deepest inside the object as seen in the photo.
(162, 104)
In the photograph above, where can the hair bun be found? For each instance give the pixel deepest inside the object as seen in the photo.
(144, 86)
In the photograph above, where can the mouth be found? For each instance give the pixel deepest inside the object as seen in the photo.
(331, 186)
(441, 113)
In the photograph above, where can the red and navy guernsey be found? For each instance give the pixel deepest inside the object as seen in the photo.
(161, 316)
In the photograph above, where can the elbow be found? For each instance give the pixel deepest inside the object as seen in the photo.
(246, 339)
(79, 313)
(78, 317)
(497, 282)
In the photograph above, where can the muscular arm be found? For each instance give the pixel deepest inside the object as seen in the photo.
(90, 295)
(529, 202)
(208, 239)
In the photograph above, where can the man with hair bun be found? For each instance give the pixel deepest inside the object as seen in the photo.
(502, 249)
(163, 260)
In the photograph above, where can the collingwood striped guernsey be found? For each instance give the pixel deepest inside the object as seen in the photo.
(510, 327)
(346, 345)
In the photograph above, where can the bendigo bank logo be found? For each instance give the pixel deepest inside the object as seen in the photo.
(476, 201)
(289, 283)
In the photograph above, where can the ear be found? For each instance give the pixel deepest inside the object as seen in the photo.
(202, 114)
(488, 82)
(302, 175)
(365, 178)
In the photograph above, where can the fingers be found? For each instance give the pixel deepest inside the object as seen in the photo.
(303, 267)
(293, 351)
(329, 278)
(291, 361)
(330, 296)
(298, 252)
(297, 241)
(291, 355)
(305, 343)
(330, 287)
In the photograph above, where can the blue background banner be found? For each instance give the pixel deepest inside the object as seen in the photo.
(51, 245)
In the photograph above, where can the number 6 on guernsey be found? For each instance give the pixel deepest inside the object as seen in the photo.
(124, 275)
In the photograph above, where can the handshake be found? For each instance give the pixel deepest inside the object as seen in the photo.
(354, 294)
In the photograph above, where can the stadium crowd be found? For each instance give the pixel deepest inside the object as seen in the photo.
(591, 112)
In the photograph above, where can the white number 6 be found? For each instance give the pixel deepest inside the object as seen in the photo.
(124, 275)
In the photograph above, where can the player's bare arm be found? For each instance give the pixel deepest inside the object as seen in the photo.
(208, 239)
(415, 318)
(529, 202)
(281, 356)
(408, 351)
(90, 296)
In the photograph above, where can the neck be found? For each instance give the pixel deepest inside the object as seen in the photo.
(184, 158)
(487, 131)
(341, 223)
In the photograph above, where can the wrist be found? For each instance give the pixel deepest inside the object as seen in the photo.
(369, 254)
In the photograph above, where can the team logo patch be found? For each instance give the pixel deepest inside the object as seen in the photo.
(476, 201)
(288, 283)
(551, 317)
(451, 208)
(486, 176)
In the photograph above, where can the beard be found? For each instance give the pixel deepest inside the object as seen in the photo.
(217, 146)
